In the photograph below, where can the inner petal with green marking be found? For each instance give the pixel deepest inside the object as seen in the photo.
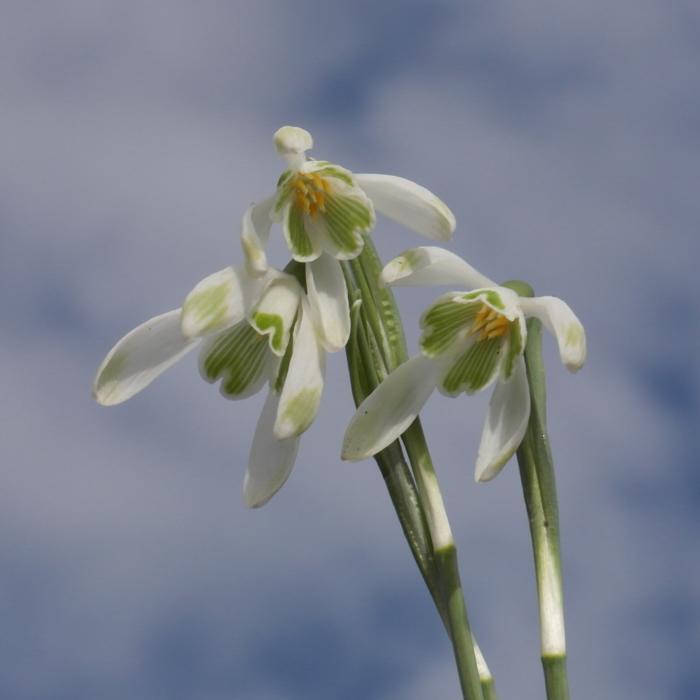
(324, 203)
(239, 358)
(475, 336)
(276, 311)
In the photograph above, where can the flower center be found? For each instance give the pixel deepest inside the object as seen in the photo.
(488, 323)
(310, 193)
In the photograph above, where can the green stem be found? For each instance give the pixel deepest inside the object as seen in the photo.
(404, 497)
(555, 676)
(539, 490)
(392, 465)
(446, 557)
(489, 689)
(386, 304)
(382, 348)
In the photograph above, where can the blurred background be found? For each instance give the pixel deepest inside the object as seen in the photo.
(566, 138)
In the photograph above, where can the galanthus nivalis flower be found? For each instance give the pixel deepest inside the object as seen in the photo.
(251, 330)
(470, 340)
(324, 210)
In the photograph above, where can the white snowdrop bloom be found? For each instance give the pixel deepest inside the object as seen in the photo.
(251, 330)
(324, 210)
(470, 340)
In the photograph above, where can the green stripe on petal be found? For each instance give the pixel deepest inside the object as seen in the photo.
(444, 322)
(514, 348)
(284, 191)
(238, 357)
(474, 369)
(345, 219)
(298, 238)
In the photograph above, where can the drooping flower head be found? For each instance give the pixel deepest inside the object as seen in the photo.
(252, 331)
(325, 210)
(323, 207)
(470, 340)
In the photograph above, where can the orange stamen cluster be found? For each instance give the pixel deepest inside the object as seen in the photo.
(489, 323)
(310, 192)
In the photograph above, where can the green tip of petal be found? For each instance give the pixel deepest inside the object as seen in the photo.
(400, 267)
(487, 472)
(105, 387)
(488, 296)
(574, 350)
(272, 325)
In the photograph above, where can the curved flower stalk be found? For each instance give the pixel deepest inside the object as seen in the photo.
(251, 330)
(324, 210)
(470, 340)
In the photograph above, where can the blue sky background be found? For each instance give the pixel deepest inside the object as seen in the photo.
(566, 138)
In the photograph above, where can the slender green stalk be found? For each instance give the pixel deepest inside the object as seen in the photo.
(386, 305)
(404, 497)
(446, 556)
(392, 465)
(488, 687)
(539, 490)
(380, 345)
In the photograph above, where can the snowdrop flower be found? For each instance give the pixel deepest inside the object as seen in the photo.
(251, 330)
(324, 210)
(470, 340)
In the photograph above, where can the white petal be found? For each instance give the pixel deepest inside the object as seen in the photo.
(276, 310)
(271, 461)
(139, 357)
(505, 425)
(430, 265)
(328, 297)
(391, 408)
(255, 231)
(562, 322)
(410, 204)
(303, 386)
(219, 301)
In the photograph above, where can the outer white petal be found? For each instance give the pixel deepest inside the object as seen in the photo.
(255, 231)
(303, 386)
(505, 425)
(410, 204)
(219, 301)
(562, 322)
(139, 357)
(328, 298)
(430, 265)
(391, 408)
(271, 461)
